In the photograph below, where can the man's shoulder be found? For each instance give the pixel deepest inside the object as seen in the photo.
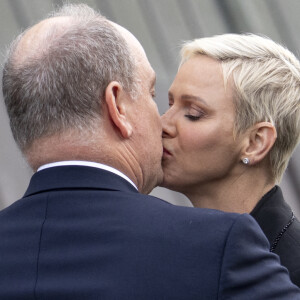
(136, 210)
(192, 217)
(193, 212)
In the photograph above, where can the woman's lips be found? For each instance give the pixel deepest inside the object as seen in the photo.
(166, 152)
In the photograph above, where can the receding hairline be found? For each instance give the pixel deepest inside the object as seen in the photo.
(128, 36)
(136, 49)
(35, 38)
(132, 42)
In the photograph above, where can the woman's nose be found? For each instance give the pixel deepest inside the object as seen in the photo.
(168, 124)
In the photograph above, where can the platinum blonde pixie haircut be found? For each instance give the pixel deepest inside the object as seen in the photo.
(266, 86)
(60, 86)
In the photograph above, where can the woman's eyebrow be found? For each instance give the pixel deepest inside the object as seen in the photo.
(192, 97)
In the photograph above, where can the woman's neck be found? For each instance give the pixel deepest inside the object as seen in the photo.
(238, 195)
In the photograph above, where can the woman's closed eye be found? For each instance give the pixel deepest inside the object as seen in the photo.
(194, 114)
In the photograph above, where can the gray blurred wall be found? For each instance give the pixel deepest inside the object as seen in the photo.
(161, 26)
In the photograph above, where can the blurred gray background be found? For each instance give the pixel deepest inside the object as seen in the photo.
(161, 26)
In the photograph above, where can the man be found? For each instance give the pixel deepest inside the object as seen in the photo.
(78, 90)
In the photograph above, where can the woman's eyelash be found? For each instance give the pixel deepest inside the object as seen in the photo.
(193, 118)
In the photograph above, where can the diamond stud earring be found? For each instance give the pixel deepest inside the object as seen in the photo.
(245, 160)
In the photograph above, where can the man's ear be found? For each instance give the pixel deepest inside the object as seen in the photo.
(115, 99)
(260, 140)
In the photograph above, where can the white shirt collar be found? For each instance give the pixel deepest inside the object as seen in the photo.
(87, 164)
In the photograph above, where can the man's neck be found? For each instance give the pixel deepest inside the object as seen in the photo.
(66, 148)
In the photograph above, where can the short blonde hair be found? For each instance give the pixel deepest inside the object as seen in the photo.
(266, 86)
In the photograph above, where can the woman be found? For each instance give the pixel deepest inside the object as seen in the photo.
(232, 125)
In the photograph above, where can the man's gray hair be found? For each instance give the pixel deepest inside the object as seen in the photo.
(60, 86)
(266, 86)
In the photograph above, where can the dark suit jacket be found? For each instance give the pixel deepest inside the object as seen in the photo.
(274, 216)
(85, 233)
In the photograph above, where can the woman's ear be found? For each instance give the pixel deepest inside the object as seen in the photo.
(115, 99)
(260, 140)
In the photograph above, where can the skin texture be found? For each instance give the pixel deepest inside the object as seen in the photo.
(202, 158)
(144, 118)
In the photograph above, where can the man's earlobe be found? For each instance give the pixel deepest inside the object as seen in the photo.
(261, 139)
(116, 104)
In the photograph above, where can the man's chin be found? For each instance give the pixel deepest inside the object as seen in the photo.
(160, 178)
(156, 180)
(164, 182)
(169, 184)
